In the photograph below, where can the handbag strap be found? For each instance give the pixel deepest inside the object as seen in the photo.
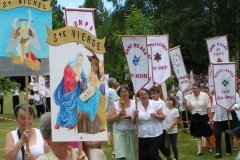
(22, 149)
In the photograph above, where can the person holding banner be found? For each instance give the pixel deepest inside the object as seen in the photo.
(179, 102)
(199, 105)
(155, 95)
(124, 131)
(149, 115)
(59, 150)
(15, 140)
(220, 122)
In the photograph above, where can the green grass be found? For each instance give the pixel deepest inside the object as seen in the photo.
(187, 148)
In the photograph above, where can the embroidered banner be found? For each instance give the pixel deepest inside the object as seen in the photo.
(179, 68)
(210, 79)
(41, 85)
(136, 53)
(159, 52)
(224, 77)
(218, 49)
(81, 18)
(150, 84)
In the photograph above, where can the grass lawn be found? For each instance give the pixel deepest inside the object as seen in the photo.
(187, 148)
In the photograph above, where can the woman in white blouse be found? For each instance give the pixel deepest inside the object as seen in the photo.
(149, 115)
(199, 105)
(124, 131)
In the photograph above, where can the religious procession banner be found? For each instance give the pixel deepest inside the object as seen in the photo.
(159, 51)
(23, 48)
(136, 53)
(150, 83)
(77, 85)
(210, 79)
(81, 18)
(41, 85)
(179, 68)
(218, 49)
(164, 91)
(224, 77)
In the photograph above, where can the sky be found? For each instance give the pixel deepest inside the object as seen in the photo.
(76, 3)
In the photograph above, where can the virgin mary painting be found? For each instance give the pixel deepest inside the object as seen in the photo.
(78, 98)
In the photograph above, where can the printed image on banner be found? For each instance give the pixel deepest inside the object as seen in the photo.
(77, 82)
(179, 68)
(159, 52)
(150, 84)
(136, 53)
(218, 49)
(23, 48)
(224, 76)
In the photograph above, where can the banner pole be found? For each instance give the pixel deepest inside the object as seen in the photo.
(27, 111)
(181, 123)
(137, 146)
(229, 129)
(79, 149)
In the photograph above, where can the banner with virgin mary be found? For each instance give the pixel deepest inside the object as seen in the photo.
(77, 84)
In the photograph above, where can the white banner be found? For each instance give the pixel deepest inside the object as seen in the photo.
(135, 50)
(41, 85)
(150, 84)
(164, 91)
(160, 57)
(179, 68)
(218, 49)
(81, 18)
(210, 79)
(224, 76)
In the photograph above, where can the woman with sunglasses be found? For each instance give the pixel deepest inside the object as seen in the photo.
(15, 141)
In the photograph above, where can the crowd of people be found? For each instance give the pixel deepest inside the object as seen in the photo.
(153, 120)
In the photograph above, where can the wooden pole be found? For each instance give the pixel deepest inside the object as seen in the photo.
(186, 112)
(79, 149)
(229, 129)
(137, 142)
(182, 125)
(27, 110)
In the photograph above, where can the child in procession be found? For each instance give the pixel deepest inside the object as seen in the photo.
(172, 118)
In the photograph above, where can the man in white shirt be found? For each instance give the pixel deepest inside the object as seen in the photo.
(155, 95)
(112, 97)
(1, 100)
(15, 96)
(38, 102)
(47, 95)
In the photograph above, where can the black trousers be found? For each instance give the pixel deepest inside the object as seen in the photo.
(15, 101)
(40, 109)
(148, 148)
(172, 141)
(165, 151)
(48, 103)
(1, 104)
(220, 127)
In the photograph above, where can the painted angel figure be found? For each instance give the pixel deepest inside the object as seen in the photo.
(24, 36)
